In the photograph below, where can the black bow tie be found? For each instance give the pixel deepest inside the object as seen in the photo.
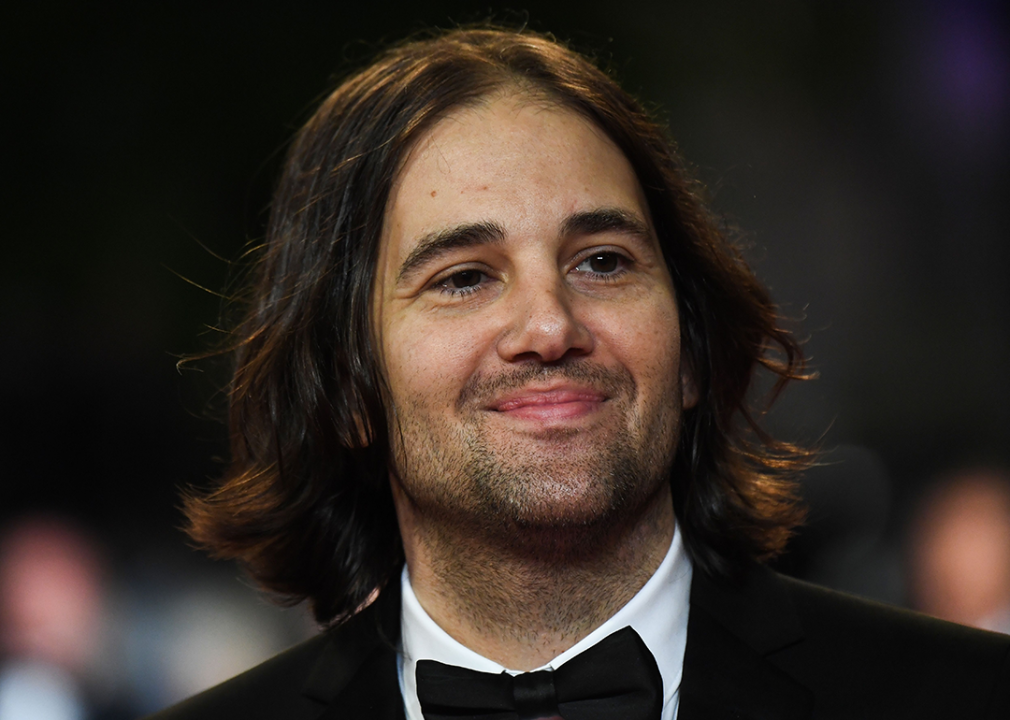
(615, 679)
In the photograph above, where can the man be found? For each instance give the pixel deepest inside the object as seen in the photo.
(958, 548)
(488, 418)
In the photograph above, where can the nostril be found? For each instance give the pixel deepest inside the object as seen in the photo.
(546, 342)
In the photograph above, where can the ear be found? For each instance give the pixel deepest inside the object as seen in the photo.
(688, 387)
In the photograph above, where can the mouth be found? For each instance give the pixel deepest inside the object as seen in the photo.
(549, 403)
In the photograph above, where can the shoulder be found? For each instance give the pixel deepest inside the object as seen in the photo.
(273, 689)
(353, 665)
(891, 657)
(848, 622)
(861, 658)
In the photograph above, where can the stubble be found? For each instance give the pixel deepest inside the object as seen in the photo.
(536, 493)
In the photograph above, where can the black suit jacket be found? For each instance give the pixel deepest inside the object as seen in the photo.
(768, 648)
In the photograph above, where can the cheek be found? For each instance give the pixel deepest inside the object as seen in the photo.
(646, 339)
(429, 364)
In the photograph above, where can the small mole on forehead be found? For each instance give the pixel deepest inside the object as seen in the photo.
(434, 193)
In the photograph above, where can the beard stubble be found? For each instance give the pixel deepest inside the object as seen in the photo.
(550, 494)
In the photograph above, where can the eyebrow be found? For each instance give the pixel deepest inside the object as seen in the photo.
(437, 243)
(589, 222)
(593, 222)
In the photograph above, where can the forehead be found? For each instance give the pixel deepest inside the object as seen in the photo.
(523, 163)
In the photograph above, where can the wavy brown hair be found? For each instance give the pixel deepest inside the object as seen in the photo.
(305, 504)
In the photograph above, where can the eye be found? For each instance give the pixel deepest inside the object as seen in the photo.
(464, 279)
(603, 264)
(462, 282)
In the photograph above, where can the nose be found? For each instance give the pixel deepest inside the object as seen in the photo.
(543, 326)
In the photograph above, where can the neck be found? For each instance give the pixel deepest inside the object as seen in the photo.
(521, 598)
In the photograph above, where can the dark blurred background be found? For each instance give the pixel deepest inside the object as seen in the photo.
(861, 147)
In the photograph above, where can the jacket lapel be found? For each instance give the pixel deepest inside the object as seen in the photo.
(732, 636)
(356, 674)
(733, 633)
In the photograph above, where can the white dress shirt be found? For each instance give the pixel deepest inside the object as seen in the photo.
(658, 613)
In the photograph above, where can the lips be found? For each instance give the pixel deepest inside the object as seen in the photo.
(549, 404)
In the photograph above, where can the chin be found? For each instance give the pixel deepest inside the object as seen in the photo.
(555, 495)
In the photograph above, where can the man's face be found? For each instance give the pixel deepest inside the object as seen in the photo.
(528, 324)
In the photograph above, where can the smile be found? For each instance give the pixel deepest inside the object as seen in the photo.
(554, 404)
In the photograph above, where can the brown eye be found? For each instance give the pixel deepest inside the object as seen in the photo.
(465, 279)
(604, 263)
(462, 282)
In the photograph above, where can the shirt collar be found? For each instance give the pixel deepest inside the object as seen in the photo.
(657, 612)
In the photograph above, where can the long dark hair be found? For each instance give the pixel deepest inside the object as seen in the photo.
(305, 503)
